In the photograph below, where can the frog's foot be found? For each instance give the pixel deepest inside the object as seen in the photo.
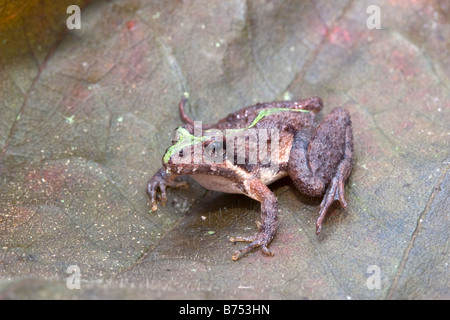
(334, 193)
(335, 189)
(259, 239)
(161, 181)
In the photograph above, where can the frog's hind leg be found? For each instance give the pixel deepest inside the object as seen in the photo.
(321, 167)
(330, 155)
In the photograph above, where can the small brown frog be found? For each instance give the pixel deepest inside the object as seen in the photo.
(317, 158)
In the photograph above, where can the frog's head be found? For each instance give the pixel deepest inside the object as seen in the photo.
(189, 153)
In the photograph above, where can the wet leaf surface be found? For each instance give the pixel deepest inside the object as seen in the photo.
(87, 114)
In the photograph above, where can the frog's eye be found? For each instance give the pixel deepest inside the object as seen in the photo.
(215, 150)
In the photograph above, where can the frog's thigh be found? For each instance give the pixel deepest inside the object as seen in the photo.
(298, 168)
(328, 144)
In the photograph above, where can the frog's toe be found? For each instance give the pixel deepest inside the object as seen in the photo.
(258, 240)
(335, 192)
(237, 254)
(250, 247)
(341, 194)
(162, 199)
(152, 186)
(267, 251)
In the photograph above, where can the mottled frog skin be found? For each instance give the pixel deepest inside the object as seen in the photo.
(318, 158)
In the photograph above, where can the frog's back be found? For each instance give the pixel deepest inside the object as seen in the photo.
(245, 117)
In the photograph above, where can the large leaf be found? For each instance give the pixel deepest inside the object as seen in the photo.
(87, 114)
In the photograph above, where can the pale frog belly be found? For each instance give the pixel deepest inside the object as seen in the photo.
(217, 183)
(269, 175)
(222, 184)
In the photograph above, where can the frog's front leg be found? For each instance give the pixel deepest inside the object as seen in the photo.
(161, 180)
(321, 161)
(269, 219)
